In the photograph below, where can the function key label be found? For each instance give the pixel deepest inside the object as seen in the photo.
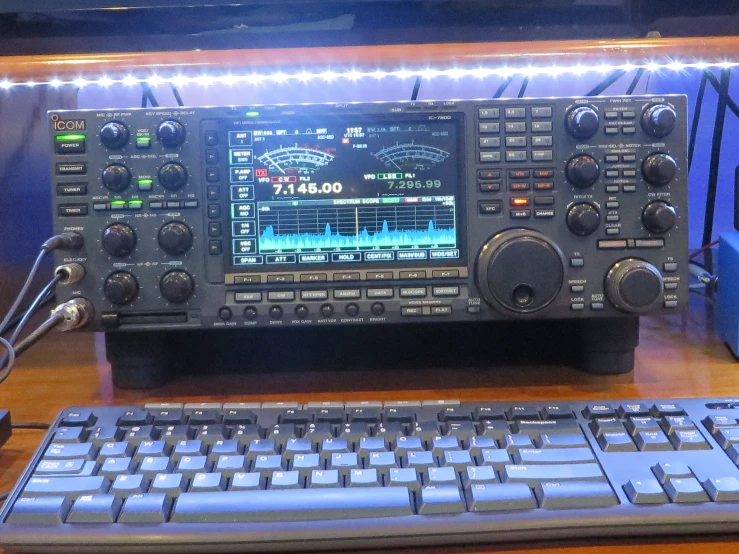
(239, 138)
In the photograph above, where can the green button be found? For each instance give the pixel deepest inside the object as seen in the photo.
(135, 204)
(145, 184)
(143, 142)
(73, 138)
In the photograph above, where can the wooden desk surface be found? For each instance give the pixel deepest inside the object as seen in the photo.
(679, 357)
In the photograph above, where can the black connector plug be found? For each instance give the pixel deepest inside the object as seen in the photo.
(64, 241)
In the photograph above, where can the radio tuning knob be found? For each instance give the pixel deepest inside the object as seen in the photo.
(114, 135)
(582, 122)
(582, 171)
(659, 169)
(119, 240)
(583, 219)
(176, 286)
(175, 238)
(116, 177)
(171, 133)
(172, 176)
(659, 217)
(658, 120)
(121, 288)
(634, 286)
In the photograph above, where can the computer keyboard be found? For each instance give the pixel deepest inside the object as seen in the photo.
(288, 477)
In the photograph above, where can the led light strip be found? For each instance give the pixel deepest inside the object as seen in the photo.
(353, 75)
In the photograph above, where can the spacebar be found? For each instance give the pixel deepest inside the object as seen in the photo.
(291, 505)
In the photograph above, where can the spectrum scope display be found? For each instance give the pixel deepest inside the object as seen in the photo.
(359, 190)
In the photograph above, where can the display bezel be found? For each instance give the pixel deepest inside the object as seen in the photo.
(456, 118)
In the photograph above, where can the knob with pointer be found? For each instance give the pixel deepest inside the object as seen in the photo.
(114, 135)
(582, 122)
(175, 238)
(171, 133)
(659, 169)
(634, 286)
(172, 176)
(583, 219)
(582, 171)
(116, 177)
(659, 217)
(121, 288)
(659, 120)
(176, 286)
(119, 240)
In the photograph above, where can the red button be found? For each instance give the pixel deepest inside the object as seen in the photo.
(544, 173)
(518, 186)
(545, 185)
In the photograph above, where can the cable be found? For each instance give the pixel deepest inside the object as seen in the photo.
(607, 82)
(25, 344)
(502, 88)
(45, 302)
(176, 94)
(148, 95)
(4, 496)
(23, 292)
(706, 248)
(696, 118)
(33, 307)
(731, 104)
(524, 86)
(718, 133)
(30, 425)
(635, 81)
(416, 88)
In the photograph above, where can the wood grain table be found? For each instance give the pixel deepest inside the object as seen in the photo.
(679, 356)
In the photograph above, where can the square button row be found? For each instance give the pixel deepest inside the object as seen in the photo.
(543, 112)
(614, 158)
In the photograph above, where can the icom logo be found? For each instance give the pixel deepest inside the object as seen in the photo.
(67, 124)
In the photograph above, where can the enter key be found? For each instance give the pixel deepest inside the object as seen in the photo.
(554, 456)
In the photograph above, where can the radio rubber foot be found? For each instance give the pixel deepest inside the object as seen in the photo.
(138, 360)
(606, 346)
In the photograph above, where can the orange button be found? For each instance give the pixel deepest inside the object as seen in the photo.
(520, 201)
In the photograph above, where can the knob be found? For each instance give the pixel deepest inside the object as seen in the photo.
(634, 286)
(659, 217)
(175, 238)
(171, 134)
(582, 122)
(378, 308)
(172, 176)
(116, 177)
(582, 171)
(327, 310)
(119, 240)
(275, 312)
(302, 311)
(352, 310)
(519, 271)
(658, 120)
(114, 135)
(583, 219)
(659, 169)
(225, 313)
(121, 288)
(250, 313)
(176, 286)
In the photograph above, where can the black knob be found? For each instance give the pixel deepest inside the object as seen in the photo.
(659, 169)
(172, 176)
(176, 286)
(250, 313)
(275, 312)
(520, 271)
(114, 135)
(171, 134)
(583, 219)
(658, 120)
(225, 313)
(327, 310)
(119, 240)
(634, 286)
(302, 311)
(121, 288)
(659, 217)
(378, 308)
(116, 177)
(175, 238)
(582, 171)
(352, 310)
(582, 122)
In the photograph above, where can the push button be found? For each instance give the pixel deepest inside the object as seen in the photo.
(213, 174)
(211, 138)
(488, 174)
(143, 143)
(411, 311)
(488, 113)
(71, 169)
(412, 274)
(72, 210)
(214, 229)
(74, 189)
(490, 208)
(70, 144)
(489, 187)
(215, 247)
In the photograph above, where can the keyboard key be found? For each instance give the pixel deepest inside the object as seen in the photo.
(363, 478)
(172, 434)
(727, 436)
(35, 510)
(212, 433)
(722, 489)
(229, 464)
(616, 442)
(190, 465)
(204, 417)
(689, 440)
(649, 441)
(605, 425)
(71, 487)
(439, 445)
(324, 478)
(170, 484)
(506, 496)
(496, 429)
(229, 447)
(632, 410)
(645, 491)
(208, 482)
(150, 467)
(246, 433)
(112, 467)
(306, 463)
(71, 434)
(556, 411)
(77, 418)
(101, 435)
(478, 475)
(126, 485)
(635, 425)
(291, 505)
(549, 426)
(667, 409)
(496, 458)
(151, 448)
(246, 481)
(670, 424)
(169, 417)
(664, 471)
(513, 442)
(344, 462)
(135, 418)
(533, 474)
(146, 508)
(457, 459)
(459, 429)
(403, 477)
(70, 451)
(566, 440)
(381, 461)
(575, 494)
(598, 410)
(236, 416)
(476, 444)
(714, 422)
(115, 450)
(419, 460)
(59, 467)
(370, 444)
(441, 476)
(318, 432)
(685, 490)
(97, 508)
(297, 446)
(260, 447)
(521, 412)
(486, 413)
(554, 456)
(188, 448)
(443, 499)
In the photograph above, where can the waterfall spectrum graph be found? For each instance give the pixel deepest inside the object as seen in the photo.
(385, 238)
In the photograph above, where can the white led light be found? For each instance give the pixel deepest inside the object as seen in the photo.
(154, 81)
(651, 66)
(329, 75)
(56, 83)
(130, 80)
(105, 81)
(6, 84)
(279, 77)
(80, 82)
(354, 75)
(30, 83)
(402, 74)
